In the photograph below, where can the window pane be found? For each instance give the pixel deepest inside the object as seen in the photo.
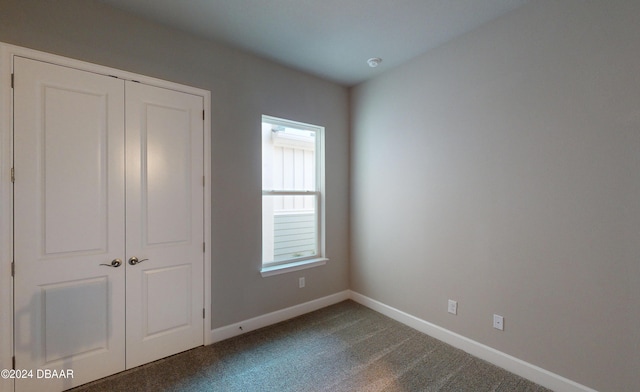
(288, 158)
(289, 227)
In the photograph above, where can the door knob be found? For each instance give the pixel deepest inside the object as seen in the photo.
(114, 263)
(134, 260)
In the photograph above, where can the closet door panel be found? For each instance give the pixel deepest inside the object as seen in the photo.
(167, 166)
(69, 219)
(164, 222)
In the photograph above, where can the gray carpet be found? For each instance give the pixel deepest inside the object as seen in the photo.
(344, 347)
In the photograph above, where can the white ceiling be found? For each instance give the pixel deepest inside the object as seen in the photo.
(329, 38)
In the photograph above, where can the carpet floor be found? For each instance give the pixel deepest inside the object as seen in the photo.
(344, 347)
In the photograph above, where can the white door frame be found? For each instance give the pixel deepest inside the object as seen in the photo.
(7, 52)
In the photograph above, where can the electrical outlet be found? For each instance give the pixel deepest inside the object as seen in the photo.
(301, 282)
(498, 322)
(453, 307)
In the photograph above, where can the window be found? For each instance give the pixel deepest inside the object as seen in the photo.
(292, 194)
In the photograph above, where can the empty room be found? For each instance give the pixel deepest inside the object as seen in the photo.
(284, 195)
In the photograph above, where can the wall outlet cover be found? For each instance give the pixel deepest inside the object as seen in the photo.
(498, 322)
(453, 307)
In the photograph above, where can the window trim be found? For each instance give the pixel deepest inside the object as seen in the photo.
(292, 266)
(298, 263)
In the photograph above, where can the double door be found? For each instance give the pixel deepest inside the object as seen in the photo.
(108, 216)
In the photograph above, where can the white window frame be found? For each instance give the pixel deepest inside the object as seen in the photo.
(319, 258)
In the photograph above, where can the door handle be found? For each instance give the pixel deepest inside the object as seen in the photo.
(114, 263)
(134, 260)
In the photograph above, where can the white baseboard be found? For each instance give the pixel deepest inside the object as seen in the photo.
(517, 366)
(236, 329)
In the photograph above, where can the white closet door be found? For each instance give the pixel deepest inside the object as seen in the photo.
(69, 219)
(164, 222)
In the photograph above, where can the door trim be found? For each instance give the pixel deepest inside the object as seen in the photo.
(7, 53)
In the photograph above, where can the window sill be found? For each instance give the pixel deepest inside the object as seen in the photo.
(290, 267)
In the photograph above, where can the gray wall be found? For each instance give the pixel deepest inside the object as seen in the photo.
(502, 170)
(243, 87)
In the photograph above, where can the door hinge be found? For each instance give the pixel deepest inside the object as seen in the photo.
(202, 113)
(12, 80)
(13, 362)
(202, 312)
(204, 247)
(13, 269)
(203, 181)
(13, 175)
